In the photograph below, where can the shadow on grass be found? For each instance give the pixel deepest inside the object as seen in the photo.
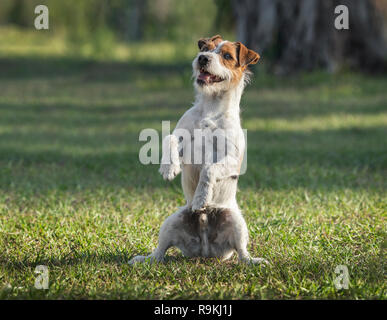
(35, 68)
(369, 269)
(73, 259)
(109, 257)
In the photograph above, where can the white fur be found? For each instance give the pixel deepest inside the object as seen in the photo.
(207, 186)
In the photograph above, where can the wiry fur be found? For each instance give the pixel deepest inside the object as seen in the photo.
(211, 223)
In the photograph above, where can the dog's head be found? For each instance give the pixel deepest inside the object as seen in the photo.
(221, 65)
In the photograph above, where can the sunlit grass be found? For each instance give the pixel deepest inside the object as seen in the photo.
(20, 42)
(331, 122)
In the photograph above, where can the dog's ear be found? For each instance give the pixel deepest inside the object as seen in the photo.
(201, 43)
(216, 39)
(246, 56)
(206, 44)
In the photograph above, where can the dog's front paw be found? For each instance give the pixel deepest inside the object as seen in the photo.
(198, 204)
(169, 171)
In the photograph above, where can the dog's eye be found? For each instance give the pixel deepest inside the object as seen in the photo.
(227, 56)
(204, 48)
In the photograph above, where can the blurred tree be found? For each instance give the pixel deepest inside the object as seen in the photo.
(224, 15)
(127, 18)
(177, 20)
(20, 12)
(300, 34)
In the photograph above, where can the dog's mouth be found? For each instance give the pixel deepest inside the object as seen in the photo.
(206, 78)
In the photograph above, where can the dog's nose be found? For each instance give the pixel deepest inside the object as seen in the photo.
(203, 60)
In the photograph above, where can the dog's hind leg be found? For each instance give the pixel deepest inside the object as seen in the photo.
(241, 238)
(168, 236)
(156, 256)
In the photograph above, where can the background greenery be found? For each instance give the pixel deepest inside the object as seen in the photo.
(74, 197)
(97, 28)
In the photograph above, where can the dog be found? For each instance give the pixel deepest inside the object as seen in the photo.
(211, 223)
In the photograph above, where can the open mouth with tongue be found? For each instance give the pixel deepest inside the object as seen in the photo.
(207, 78)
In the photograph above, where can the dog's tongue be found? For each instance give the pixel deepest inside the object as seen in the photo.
(204, 76)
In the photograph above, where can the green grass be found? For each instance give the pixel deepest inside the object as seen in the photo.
(17, 42)
(74, 197)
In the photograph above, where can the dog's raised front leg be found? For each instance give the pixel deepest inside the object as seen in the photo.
(204, 189)
(208, 177)
(170, 162)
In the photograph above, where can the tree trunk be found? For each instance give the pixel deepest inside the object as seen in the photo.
(300, 34)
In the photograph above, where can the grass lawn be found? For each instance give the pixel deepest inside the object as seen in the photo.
(74, 196)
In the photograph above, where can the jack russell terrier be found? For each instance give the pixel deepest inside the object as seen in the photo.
(211, 223)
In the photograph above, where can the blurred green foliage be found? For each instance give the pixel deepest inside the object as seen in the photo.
(98, 25)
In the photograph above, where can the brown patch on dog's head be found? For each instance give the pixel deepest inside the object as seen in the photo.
(207, 44)
(246, 56)
(236, 57)
(229, 58)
